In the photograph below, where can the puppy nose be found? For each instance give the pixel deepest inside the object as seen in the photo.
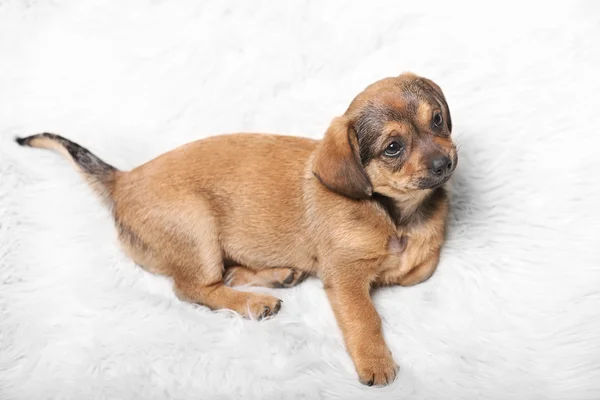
(441, 165)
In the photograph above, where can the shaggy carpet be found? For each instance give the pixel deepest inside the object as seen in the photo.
(513, 311)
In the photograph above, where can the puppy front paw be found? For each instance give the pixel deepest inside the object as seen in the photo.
(378, 370)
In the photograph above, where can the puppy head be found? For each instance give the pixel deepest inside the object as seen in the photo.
(394, 139)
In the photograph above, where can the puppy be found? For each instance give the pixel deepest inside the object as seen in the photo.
(363, 207)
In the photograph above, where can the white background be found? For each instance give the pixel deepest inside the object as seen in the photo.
(514, 309)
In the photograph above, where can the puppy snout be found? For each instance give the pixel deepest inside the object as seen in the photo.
(441, 165)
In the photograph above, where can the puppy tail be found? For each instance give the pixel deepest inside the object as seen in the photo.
(99, 175)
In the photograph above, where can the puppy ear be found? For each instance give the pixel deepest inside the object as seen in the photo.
(442, 99)
(337, 164)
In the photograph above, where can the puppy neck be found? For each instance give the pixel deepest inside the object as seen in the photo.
(411, 208)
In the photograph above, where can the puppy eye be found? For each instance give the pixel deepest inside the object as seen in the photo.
(393, 149)
(437, 119)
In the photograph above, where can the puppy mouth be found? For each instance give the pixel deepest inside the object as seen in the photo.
(433, 183)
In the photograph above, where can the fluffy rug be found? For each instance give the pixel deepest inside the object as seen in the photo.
(514, 309)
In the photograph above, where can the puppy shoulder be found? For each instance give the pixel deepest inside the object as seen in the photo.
(358, 228)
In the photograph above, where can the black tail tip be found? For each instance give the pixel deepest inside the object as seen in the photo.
(21, 141)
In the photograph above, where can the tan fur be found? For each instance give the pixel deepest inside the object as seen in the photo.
(44, 143)
(270, 207)
(336, 162)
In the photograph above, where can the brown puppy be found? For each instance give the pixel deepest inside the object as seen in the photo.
(365, 206)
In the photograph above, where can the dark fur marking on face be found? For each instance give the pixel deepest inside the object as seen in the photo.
(371, 122)
(432, 90)
(369, 126)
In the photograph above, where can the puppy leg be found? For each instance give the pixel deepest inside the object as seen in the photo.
(217, 296)
(181, 240)
(200, 279)
(268, 277)
(361, 326)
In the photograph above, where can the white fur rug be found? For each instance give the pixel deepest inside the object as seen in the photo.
(514, 309)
